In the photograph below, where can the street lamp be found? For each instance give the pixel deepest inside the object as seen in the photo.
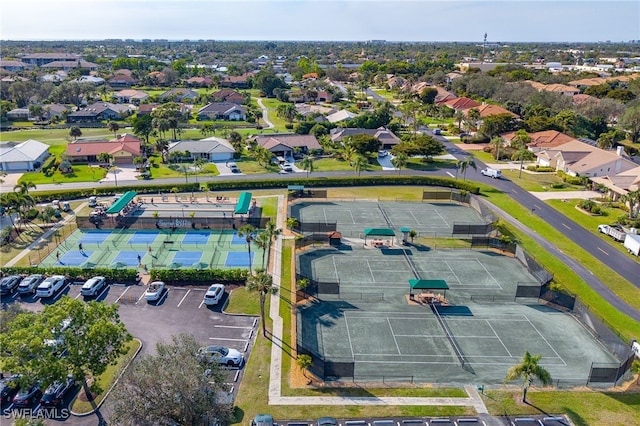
(114, 169)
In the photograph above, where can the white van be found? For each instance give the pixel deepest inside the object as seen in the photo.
(492, 173)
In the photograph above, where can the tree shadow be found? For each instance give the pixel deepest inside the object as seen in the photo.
(280, 343)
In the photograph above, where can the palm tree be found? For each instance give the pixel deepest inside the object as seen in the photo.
(497, 143)
(263, 284)
(359, 163)
(463, 165)
(286, 111)
(113, 127)
(262, 240)
(248, 232)
(198, 163)
(459, 118)
(399, 161)
(528, 369)
(522, 154)
(24, 186)
(104, 157)
(272, 231)
(75, 132)
(307, 164)
(632, 199)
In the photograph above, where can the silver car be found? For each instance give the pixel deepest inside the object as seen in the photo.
(30, 283)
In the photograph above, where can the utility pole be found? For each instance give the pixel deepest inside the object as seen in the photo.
(484, 46)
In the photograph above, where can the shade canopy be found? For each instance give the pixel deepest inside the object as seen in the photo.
(243, 203)
(122, 202)
(379, 232)
(428, 284)
(404, 229)
(295, 187)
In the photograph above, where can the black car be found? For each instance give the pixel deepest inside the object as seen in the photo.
(28, 396)
(54, 395)
(8, 389)
(9, 284)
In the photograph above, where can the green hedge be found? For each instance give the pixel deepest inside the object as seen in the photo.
(226, 185)
(182, 276)
(113, 275)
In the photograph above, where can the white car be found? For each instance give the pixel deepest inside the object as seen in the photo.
(222, 355)
(30, 283)
(154, 292)
(492, 173)
(51, 286)
(383, 153)
(93, 286)
(286, 167)
(214, 294)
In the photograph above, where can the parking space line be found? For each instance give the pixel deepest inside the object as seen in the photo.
(122, 294)
(201, 303)
(227, 338)
(78, 296)
(140, 298)
(106, 287)
(184, 297)
(231, 326)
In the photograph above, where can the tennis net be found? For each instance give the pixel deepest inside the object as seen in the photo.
(447, 333)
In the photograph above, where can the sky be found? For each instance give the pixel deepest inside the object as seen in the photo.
(322, 20)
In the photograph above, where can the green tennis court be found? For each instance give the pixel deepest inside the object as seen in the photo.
(163, 248)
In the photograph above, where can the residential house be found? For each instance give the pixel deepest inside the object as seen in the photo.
(70, 65)
(96, 81)
(130, 96)
(211, 149)
(147, 109)
(122, 80)
(24, 156)
(178, 95)
(306, 110)
(99, 111)
(621, 183)
(227, 95)
(40, 59)
(460, 104)
(341, 115)
(55, 111)
(198, 81)
(14, 66)
(123, 149)
(222, 111)
(384, 135)
(555, 88)
(487, 110)
(236, 82)
(286, 144)
(547, 139)
(19, 114)
(55, 77)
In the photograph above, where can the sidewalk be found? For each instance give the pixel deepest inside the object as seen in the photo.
(275, 372)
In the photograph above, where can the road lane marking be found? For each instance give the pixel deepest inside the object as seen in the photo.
(184, 297)
(603, 251)
(450, 174)
(566, 226)
(537, 207)
(122, 294)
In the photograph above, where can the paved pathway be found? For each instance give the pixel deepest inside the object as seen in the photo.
(566, 195)
(275, 377)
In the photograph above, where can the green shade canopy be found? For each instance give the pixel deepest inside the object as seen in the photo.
(243, 203)
(405, 229)
(295, 187)
(122, 202)
(428, 284)
(379, 232)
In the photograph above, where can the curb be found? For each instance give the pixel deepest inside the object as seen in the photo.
(112, 386)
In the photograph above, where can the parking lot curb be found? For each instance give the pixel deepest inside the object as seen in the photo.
(113, 386)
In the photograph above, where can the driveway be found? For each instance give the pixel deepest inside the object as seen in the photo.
(122, 173)
(224, 170)
(10, 180)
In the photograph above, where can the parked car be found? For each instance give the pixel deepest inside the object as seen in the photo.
(51, 286)
(154, 292)
(262, 420)
(233, 167)
(66, 206)
(214, 294)
(29, 284)
(222, 355)
(327, 421)
(93, 286)
(10, 284)
(383, 153)
(54, 395)
(93, 201)
(492, 173)
(286, 167)
(28, 396)
(8, 388)
(437, 131)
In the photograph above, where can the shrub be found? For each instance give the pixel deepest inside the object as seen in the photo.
(76, 273)
(596, 209)
(557, 185)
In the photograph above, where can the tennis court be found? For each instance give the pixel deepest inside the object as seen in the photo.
(350, 218)
(162, 248)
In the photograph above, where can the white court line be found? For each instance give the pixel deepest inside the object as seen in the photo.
(415, 218)
(122, 294)
(346, 323)
(454, 274)
(371, 272)
(184, 297)
(335, 268)
(232, 326)
(492, 277)
(326, 221)
(545, 340)
(394, 337)
(501, 342)
(352, 219)
(442, 218)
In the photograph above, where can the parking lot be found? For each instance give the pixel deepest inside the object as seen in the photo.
(179, 310)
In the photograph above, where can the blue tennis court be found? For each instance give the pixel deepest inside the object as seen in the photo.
(196, 237)
(235, 239)
(94, 237)
(74, 258)
(128, 258)
(238, 259)
(146, 238)
(187, 257)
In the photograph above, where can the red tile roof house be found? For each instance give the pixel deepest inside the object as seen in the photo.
(227, 95)
(284, 145)
(123, 149)
(178, 95)
(130, 96)
(460, 104)
(236, 82)
(542, 140)
(120, 79)
(223, 111)
(198, 82)
(384, 135)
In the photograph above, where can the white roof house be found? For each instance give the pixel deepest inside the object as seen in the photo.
(340, 116)
(25, 156)
(211, 149)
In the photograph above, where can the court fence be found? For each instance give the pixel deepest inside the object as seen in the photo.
(171, 222)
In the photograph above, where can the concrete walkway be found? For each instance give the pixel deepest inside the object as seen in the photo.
(46, 235)
(566, 195)
(275, 377)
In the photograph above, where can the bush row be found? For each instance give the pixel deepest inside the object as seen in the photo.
(182, 276)
(224, 185)
(113, 275)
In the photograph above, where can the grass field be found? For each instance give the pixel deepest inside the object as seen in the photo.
(81, 173)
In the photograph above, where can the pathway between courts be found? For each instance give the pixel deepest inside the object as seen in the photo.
(275, 377)
(46, 235)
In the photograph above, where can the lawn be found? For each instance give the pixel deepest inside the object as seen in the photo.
(336, 164)
(242, 301)
(52, 136)
(538, 182)
(164, 171)
(81, 173)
